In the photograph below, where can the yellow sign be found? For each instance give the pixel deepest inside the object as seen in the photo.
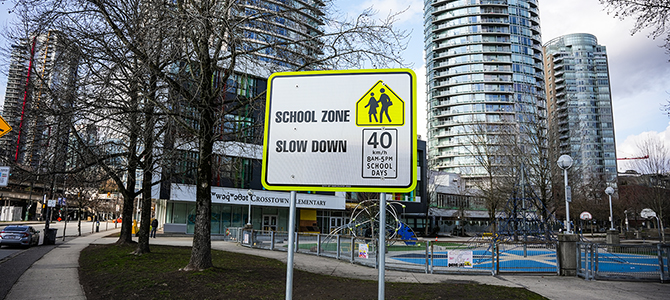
(380, 106)
(4, 127)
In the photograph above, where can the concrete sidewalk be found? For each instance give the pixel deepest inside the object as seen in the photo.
(55, 276)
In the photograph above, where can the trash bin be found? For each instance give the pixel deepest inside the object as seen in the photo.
(50, 236)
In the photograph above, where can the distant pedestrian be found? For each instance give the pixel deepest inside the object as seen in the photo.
(154, 226)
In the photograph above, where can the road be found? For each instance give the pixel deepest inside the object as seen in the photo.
(15, 261)
(72, 228)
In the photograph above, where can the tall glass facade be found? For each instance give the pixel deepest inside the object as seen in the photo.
(484, 68)
(580, 105)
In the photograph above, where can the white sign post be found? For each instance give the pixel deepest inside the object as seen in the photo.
(350, 131)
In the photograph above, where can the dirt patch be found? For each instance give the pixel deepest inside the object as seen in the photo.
(111, 272)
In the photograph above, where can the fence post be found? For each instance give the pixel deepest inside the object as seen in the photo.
(587, 259)
(596, 258)
(339, 244)
(590, 261)
(432, 258)
(558, 260)
(318, 245)
(659, 251)
(353, 240)
(272, 240)
(567, 250)
(493, 257)
(297, 242)
(428, 245)
(497, 258)
(588, 256)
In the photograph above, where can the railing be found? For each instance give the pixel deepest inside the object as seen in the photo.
(619, 261)
(527, 257)
(482, 256)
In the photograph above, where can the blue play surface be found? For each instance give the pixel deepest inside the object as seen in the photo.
(626, 263)
(540, 261)
(513, 260)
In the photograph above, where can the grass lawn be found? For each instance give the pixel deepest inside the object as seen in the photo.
(111, 272)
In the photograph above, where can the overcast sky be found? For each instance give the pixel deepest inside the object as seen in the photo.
(639, 68)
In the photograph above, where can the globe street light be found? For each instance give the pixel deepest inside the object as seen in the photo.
(565, 162)
(250, 194)
(610, 191)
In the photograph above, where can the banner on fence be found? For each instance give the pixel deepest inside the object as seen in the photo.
(460, 259)
(363, 251)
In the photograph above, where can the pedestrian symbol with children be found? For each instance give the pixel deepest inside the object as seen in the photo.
(372, 112)
(384, 102)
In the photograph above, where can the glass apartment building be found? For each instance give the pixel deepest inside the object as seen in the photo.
(580, 106)
(39, 67)
(484, 69)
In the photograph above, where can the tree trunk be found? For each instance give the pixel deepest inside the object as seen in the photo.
(143, 238)
(128, 191)
(147, 176)
(126, 236)
(201, 254)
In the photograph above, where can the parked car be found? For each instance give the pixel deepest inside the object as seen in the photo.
(19, 235)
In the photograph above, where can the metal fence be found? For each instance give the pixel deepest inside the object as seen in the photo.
(623, 262)
(458, 257)
(526, 257)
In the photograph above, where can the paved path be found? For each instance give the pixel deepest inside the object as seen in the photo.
(15, 264)
(41, 281)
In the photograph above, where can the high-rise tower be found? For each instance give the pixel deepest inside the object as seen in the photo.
(485, 75)
(580, 106)
(40, 79)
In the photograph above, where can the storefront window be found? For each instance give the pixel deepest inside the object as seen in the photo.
(179, 213)
(190, 224)
(216, 219)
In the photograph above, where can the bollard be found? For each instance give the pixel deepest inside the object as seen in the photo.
(567, 252)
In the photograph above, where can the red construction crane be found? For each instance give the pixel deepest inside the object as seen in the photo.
(629, 158)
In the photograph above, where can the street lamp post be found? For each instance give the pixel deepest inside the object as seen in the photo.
(625, 212)
(565, 162)
(249, 193)
(610, 191)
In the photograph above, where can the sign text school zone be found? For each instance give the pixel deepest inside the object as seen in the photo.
(341, 131)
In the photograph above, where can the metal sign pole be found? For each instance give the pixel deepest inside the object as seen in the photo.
(382, 245)
(291, 248)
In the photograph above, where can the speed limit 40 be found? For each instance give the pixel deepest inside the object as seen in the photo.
(380, 153)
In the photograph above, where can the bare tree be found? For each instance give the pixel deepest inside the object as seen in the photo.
(117, 94)
(533, 155)
(652, 14)
(491, 146)
(654, 170)
(206, 40)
